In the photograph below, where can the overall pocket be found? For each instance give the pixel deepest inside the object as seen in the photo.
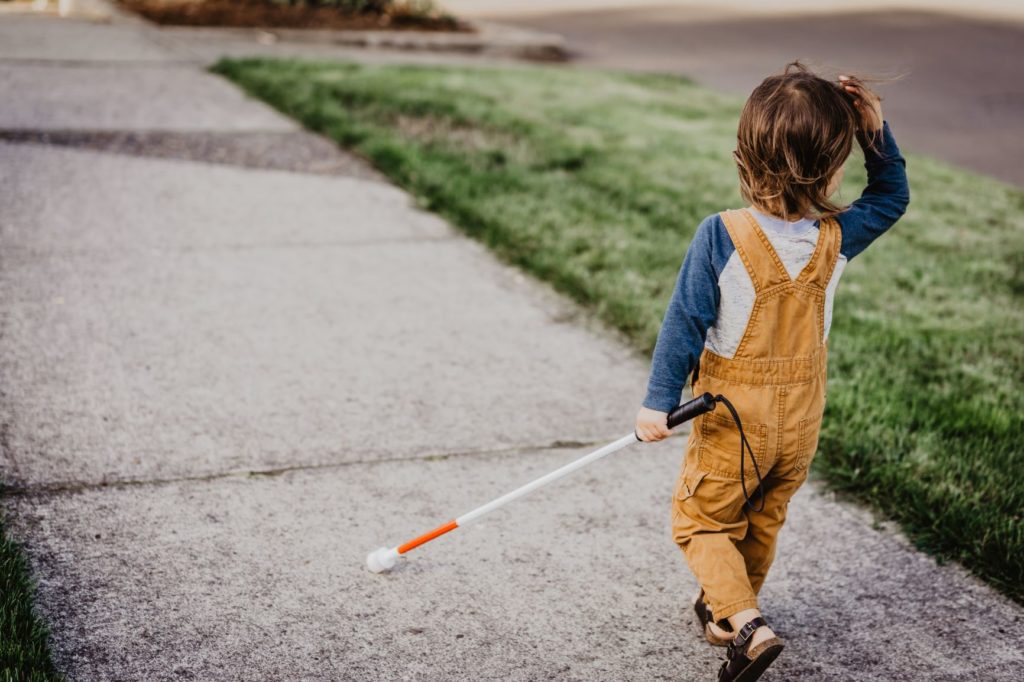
(808, 427)
(682, 507)
(719, 447)
(687, 483)
(808, 431)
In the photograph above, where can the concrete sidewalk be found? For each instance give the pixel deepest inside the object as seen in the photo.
(224, 383)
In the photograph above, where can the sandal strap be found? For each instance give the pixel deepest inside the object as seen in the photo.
(747, 631)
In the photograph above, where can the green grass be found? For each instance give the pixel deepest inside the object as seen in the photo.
(595, 182)
(24, 655)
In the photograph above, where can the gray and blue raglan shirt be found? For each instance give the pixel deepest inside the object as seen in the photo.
(713, 296)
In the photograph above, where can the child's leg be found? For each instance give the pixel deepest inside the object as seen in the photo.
(799, 440)
(707, 523)
(758, 546)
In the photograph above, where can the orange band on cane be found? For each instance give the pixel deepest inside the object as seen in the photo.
(427, 537)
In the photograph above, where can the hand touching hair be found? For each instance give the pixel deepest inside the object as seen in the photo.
(795, 133)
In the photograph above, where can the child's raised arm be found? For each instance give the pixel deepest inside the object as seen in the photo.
(886, 197)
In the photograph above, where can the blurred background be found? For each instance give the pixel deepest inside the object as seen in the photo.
(959, 59)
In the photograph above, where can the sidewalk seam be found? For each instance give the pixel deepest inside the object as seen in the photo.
(60, 487)
(104, 63)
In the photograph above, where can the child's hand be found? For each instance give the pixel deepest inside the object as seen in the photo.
(651, 425)
(868, 104)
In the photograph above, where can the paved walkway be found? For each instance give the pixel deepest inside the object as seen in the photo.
(229, 372)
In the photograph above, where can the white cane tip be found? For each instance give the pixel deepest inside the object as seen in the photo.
(380, 560)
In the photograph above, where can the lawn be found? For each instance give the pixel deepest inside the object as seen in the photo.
(24, 656)
(596, 181)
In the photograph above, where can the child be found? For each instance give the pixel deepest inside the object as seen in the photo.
(750, 318)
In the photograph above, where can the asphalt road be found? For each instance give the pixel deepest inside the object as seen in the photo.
(960, 89)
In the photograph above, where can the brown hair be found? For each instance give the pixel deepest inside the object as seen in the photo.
(795, 132)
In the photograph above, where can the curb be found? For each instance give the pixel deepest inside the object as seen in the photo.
(490, 39)
(96, 10)
(88, 10)
(487, 38)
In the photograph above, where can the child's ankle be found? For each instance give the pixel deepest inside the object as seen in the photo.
(738, 620)
(741, 618)
(722, 631)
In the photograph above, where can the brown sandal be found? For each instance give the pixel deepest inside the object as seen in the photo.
(746, 666)
(705, 618)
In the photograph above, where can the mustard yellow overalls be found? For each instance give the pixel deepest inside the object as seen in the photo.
(776, 381)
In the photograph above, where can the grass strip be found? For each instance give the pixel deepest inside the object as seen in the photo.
(24, 652)
(595, 182)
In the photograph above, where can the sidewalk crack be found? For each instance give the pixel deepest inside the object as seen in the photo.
(293, 151)
(73, 486)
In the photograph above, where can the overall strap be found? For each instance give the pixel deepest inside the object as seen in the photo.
(819, 269)
(759, 258)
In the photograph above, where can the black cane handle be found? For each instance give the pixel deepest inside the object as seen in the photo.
(689, 410)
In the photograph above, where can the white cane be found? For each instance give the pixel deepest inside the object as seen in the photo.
(384, 559)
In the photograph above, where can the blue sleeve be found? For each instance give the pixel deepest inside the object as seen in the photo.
(692, 310)
(882, 202)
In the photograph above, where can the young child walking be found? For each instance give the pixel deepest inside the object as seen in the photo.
(749, 319)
